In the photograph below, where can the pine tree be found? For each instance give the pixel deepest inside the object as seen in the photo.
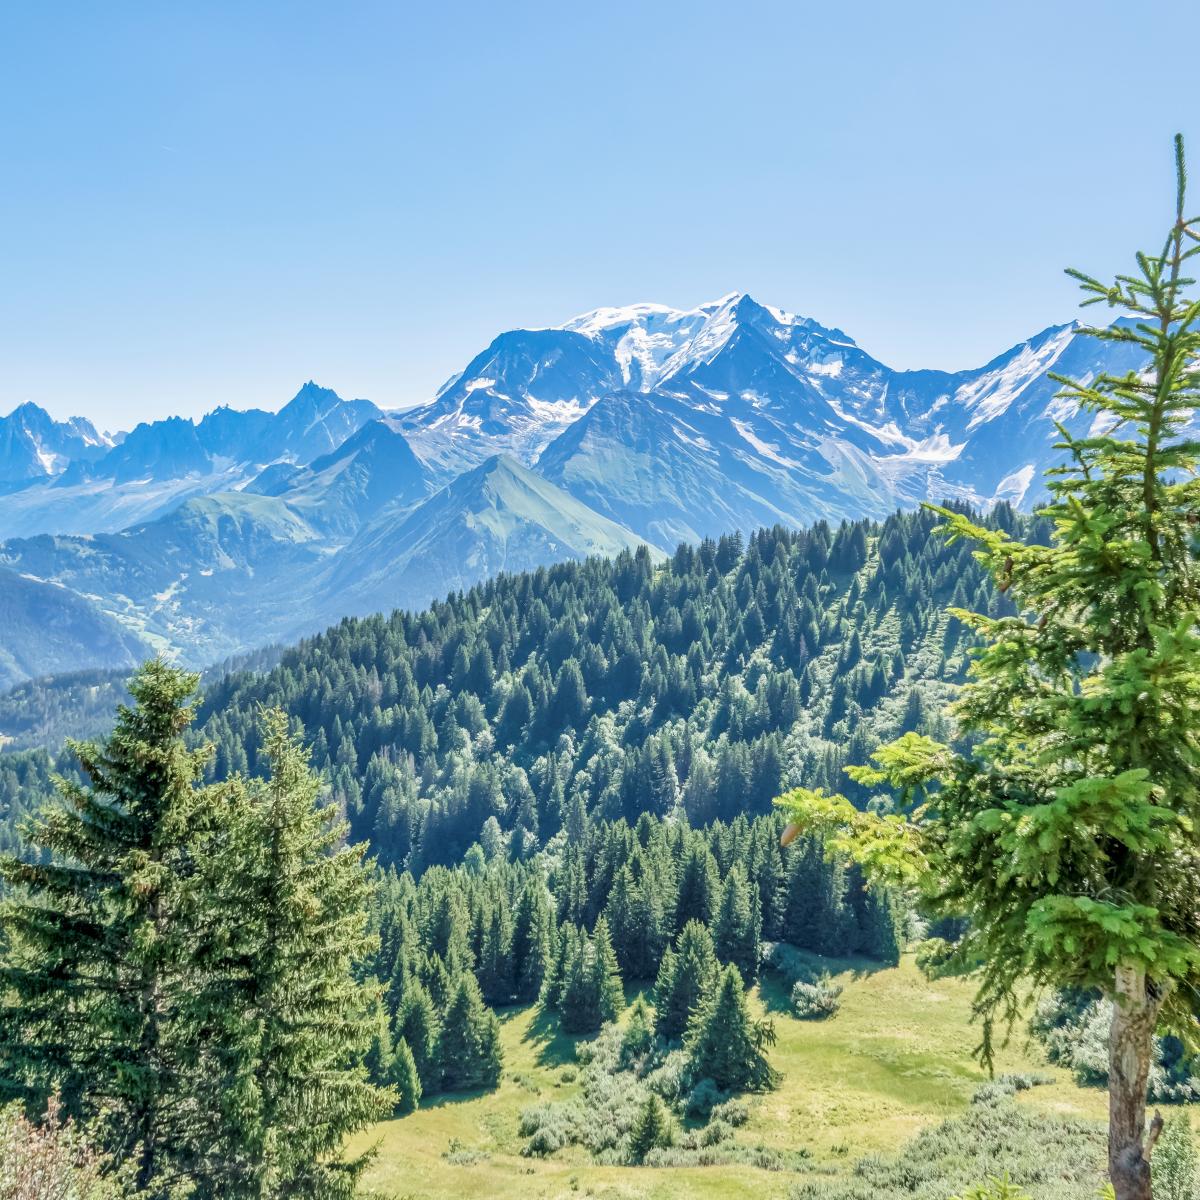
(687, 975)
(605, 976)
(469, 1050)
(532, 941)
(725, 1044)
(297, 897)
(404, 1078)
(495, 971)
(378, 1059)
(619, 916)
(1079, 732)
(570, 698)
(698, 886)
(111, 911)
(573, 992)
(737, 927)
(875, 921)
(651, 1129)
(417, 1027)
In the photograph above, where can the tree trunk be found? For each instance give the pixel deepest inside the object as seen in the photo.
(1130, 1049)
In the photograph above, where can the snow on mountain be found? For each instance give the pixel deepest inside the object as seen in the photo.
(35, 446)
(824, 429)
(102, 485)
(623, 424)
(517, 395)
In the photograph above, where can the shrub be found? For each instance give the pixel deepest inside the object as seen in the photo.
(816, 1001)
(1004, 1087)
(790, 963)
(732, 1112)
(703, 1098)
(998, 1187)
(714, 1132)
(1073, 1027)
(1173, 1166)
(49, 1161)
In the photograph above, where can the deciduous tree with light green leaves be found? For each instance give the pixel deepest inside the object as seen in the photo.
(1063, 820)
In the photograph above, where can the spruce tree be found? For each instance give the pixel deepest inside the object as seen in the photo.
(100, 937)
(378, 1059)
(651, 1129)
(296, 897)
(725, 1044)
(699, 883)
(737, 927)
(1066, 822)
(495, 972)
(573, 992)
(605, 976)
(532, 941)
(469, 1050)
(688, 974)
(876, 924)
(404, 1078)
(417, 1027)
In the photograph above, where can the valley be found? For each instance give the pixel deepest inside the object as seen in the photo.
(896, 1060)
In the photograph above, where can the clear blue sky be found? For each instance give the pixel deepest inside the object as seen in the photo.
(211, 203)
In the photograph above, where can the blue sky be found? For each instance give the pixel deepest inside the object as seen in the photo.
(212, 203)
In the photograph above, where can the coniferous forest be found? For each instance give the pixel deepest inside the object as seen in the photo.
(564, 781)
(553, 792)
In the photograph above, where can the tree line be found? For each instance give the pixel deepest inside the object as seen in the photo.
(702, 687)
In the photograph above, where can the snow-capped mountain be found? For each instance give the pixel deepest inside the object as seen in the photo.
(684, 423)
(525, 388)
(164, 463)
(35, 446)
(649, 423)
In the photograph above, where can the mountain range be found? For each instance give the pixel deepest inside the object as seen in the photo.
(625, 425)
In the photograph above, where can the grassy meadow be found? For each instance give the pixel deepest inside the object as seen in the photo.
(897, 1058)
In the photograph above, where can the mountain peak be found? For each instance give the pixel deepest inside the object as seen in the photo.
(28, 410)
(311, 394)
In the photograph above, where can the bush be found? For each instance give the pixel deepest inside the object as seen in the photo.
(628, 1105)
(714, 1132)
(703, 1098)
(1073, 1027)
(816, 1001)
(49, 1161)
(732, 1112)
(1173, 1166)
(935, 958)
(669, 1079)
(1052, 1158)
(999, 1187)
(790, 963)
(1004, 1087)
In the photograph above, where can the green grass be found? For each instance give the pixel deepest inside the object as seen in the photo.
(897, 1058)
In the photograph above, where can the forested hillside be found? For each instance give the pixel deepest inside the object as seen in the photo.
(606, 689)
